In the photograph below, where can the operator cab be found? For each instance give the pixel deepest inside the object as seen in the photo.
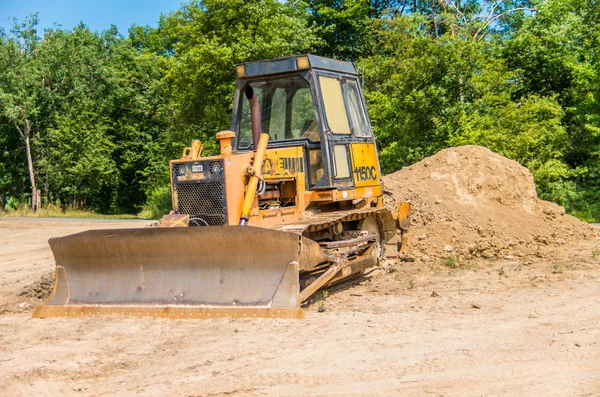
(308, 101)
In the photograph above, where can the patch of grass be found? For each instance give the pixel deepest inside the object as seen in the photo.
(501, 271)
(322, 308)
(235, 330)
(596, 253)
(55, 211)
(450, 262)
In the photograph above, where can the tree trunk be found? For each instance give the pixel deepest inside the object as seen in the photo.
(435, 23)
(34, 191)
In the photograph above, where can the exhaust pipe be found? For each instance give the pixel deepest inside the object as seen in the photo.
(260, 146)
(254, 115)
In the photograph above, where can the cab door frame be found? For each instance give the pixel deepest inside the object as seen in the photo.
(335, 140)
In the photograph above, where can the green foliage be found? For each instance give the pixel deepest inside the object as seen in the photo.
(79, 156)
(210, 38)
(12, 204)
(158, 203)
(321, 307)
(344, 27)
(106, 112)
(450, 262)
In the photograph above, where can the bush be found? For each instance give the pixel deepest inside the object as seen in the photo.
(158, 203)
(12, 204)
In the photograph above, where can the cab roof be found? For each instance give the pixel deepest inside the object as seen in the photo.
(291, 64)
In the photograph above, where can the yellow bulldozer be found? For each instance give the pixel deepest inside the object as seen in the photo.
(293, 203)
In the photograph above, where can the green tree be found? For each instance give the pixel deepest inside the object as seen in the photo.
(554, 54)
(91, 119)
(79, 163)
(210, 37)
(20, 100)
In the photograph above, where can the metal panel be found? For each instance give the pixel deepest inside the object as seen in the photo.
(224, 266)
(332, 64)
(274, 66)
(201, 192)
(365, 165)
(289, 64)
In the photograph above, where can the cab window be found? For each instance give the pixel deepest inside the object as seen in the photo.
(356, 111)
(333, 101)
(344, 108)
(287, 111)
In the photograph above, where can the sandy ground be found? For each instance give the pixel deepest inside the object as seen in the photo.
(487, 328)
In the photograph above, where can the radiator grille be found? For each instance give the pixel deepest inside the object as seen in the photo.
(204, 200)
(201, 197)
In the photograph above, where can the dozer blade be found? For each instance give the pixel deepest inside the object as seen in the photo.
(202, 272)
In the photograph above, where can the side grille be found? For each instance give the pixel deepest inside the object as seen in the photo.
(204, 199)
(178, 170)
(215, 168)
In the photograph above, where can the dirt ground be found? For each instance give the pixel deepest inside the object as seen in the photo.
(489, 327)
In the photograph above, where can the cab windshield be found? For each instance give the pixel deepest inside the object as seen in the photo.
(286, 111)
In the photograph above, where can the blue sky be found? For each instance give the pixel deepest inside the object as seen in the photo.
(98, 14)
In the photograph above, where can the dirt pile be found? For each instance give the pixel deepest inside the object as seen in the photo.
(39, 290)
(470, 202)
(31, 295)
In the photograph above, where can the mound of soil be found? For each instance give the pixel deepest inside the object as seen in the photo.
(41, 289)
(470, 202)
